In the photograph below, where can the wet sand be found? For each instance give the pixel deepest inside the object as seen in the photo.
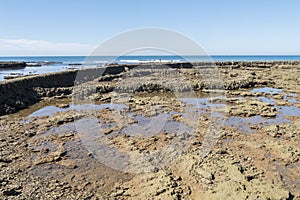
(231, 132)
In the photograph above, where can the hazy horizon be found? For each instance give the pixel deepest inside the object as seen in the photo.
(134, 55)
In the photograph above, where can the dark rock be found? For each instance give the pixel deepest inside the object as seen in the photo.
(4, 160)
(12, 65)
(13, 191)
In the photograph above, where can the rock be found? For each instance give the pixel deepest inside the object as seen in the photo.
(5, 160)
(282, 130)
(14, 190)
(117, 193)
(63, 106)
(30, 133)
(107, 131)
(176, 117)
(160, 191)
(268, 114)
(12, 65)
(204, 174)
(252, 108)
(245, 94)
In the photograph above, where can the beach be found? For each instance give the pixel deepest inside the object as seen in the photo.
(158, 130)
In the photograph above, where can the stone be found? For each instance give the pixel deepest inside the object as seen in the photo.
(63, 106)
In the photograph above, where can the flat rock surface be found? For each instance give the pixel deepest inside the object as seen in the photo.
(150, 134)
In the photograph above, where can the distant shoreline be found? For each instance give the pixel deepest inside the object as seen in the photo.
(191, 58)
(18, 69)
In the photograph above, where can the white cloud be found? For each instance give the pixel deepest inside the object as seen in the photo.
(25, 47)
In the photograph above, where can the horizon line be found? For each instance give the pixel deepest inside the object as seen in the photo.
(149, 55)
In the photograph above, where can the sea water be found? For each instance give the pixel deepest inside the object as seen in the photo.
(60, 63)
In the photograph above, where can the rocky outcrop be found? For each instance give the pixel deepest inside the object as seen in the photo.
(12, 65)
(255, 64)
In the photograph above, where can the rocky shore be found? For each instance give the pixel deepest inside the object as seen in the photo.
(22, 92)
(227, 130)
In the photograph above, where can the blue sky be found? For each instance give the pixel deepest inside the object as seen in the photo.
(75, 27)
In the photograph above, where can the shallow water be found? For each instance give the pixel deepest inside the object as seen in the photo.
(245, 124)
(291, 98)
(267, 90)
(203, 103)
(162, 122)
(150, 126)
(61, 130)
(144, 126)
(47, 111)
(290, 111)
(267, 100)
(51, 110)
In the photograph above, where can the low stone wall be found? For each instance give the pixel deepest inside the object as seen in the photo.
(20, 93)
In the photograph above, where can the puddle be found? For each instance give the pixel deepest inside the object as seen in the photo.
(52, 110)
(108, 125)
(290, 98)
(204, 103)
(244, 124)
(267, 90)
(47, 111)
(60, 130)
(44, 146)
(149, 126)
(290, 111)
(293, 100)
(162, 123)
(75, 149)
(144, 126)
(23, 114)
(266, 100)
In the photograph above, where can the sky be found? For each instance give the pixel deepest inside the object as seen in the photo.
(77, 27)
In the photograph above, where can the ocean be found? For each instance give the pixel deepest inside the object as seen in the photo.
(80, 59)
(61, 63)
